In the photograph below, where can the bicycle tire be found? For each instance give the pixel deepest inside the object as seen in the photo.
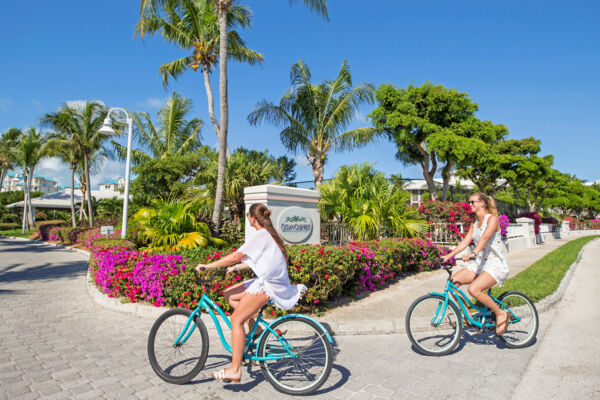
(427, 338)
(522, 333)
(182, 363)
(315, 356)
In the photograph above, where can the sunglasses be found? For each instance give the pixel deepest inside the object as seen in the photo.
(473, 201)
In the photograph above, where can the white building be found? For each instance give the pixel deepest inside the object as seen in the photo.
(38, 183)
(419, 186)
(592, 183)
(115, 185)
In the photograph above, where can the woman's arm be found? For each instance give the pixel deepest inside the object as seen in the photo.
(461, 246)
(492, 226)
(229, 259)
(237, 267)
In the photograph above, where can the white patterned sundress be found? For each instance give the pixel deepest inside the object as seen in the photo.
(492, 259)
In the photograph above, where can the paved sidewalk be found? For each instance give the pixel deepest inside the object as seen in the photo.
(57, 344)
(384, 311)
(566, 364)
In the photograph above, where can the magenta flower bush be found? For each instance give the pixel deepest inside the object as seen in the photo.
(504, 222)
(327, 271)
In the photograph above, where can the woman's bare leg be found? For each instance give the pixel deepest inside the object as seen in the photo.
(248, 306)
(463, 277)
(478, 290)
(234, 293)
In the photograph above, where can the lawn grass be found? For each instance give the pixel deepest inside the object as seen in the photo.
(17, 233)
(543, 277)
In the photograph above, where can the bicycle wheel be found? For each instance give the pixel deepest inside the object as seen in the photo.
(304, 374)
(524, 323)
(431, 333)
(177, 364)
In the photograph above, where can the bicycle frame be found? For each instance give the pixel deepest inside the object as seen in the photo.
(459, 299)
(214, 310)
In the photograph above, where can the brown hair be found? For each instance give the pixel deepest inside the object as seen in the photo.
(262, 215)
(490, 204)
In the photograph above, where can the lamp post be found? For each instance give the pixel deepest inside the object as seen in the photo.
(107, 128)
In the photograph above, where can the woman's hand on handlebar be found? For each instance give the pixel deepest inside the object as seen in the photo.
(200, 267)
(445, 258)
(233, 269)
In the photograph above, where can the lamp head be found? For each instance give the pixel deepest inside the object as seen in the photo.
(106, 127)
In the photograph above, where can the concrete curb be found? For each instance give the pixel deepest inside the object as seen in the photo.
(350, 327)
(550, 301)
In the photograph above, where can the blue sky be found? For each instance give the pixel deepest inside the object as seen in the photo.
(532, 66)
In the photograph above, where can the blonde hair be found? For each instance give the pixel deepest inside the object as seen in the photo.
(262, 215)
(490, 204)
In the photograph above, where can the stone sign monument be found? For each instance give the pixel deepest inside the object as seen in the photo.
(294, 212)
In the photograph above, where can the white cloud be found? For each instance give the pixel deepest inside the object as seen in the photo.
(52, 164)
(80, 104)
(111, 169)
(153, 103)
(5, 104)
(301, 160)
(361, 117)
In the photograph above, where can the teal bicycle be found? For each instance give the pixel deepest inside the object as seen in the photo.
(294, 351)
(434, 322)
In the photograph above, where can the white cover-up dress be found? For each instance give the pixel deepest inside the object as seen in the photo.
(492, 259)
(267, 261)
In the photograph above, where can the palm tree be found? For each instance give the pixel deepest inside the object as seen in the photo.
(9, 142)
(365, 200)
(171, 225)
(174, 135)
(58, 145)
(82, 124)
(223, 8)
(313, 117)
(193, 26)
(29, 155)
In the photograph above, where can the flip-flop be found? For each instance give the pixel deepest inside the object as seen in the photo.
(220, 376)
(503, 324)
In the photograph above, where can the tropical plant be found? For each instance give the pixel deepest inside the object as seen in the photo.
(313, 117)
(171, 225)
(364, 199)
(170, 176)
(58, 145)
(245, 168)
(174, 134)
(9, 142)
(81, 123)
(193, 26)
(29, 154)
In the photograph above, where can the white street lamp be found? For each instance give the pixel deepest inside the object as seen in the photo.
(107, 128)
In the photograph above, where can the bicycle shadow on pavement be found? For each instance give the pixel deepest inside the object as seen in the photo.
(254, 376)
(479, 338)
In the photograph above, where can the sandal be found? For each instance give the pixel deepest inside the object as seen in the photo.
(502, 326)
(220, 376)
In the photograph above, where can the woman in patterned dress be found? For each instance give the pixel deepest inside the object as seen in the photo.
(487, 263)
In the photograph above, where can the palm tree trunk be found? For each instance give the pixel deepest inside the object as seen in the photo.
(211, 107)
(24, 202)
(317, 170)
(222, 9)
(89, 190)
(73, 218)
(31, 217)
(2, 176)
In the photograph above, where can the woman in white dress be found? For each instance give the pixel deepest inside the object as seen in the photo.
(489, 266)
(265, 254)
